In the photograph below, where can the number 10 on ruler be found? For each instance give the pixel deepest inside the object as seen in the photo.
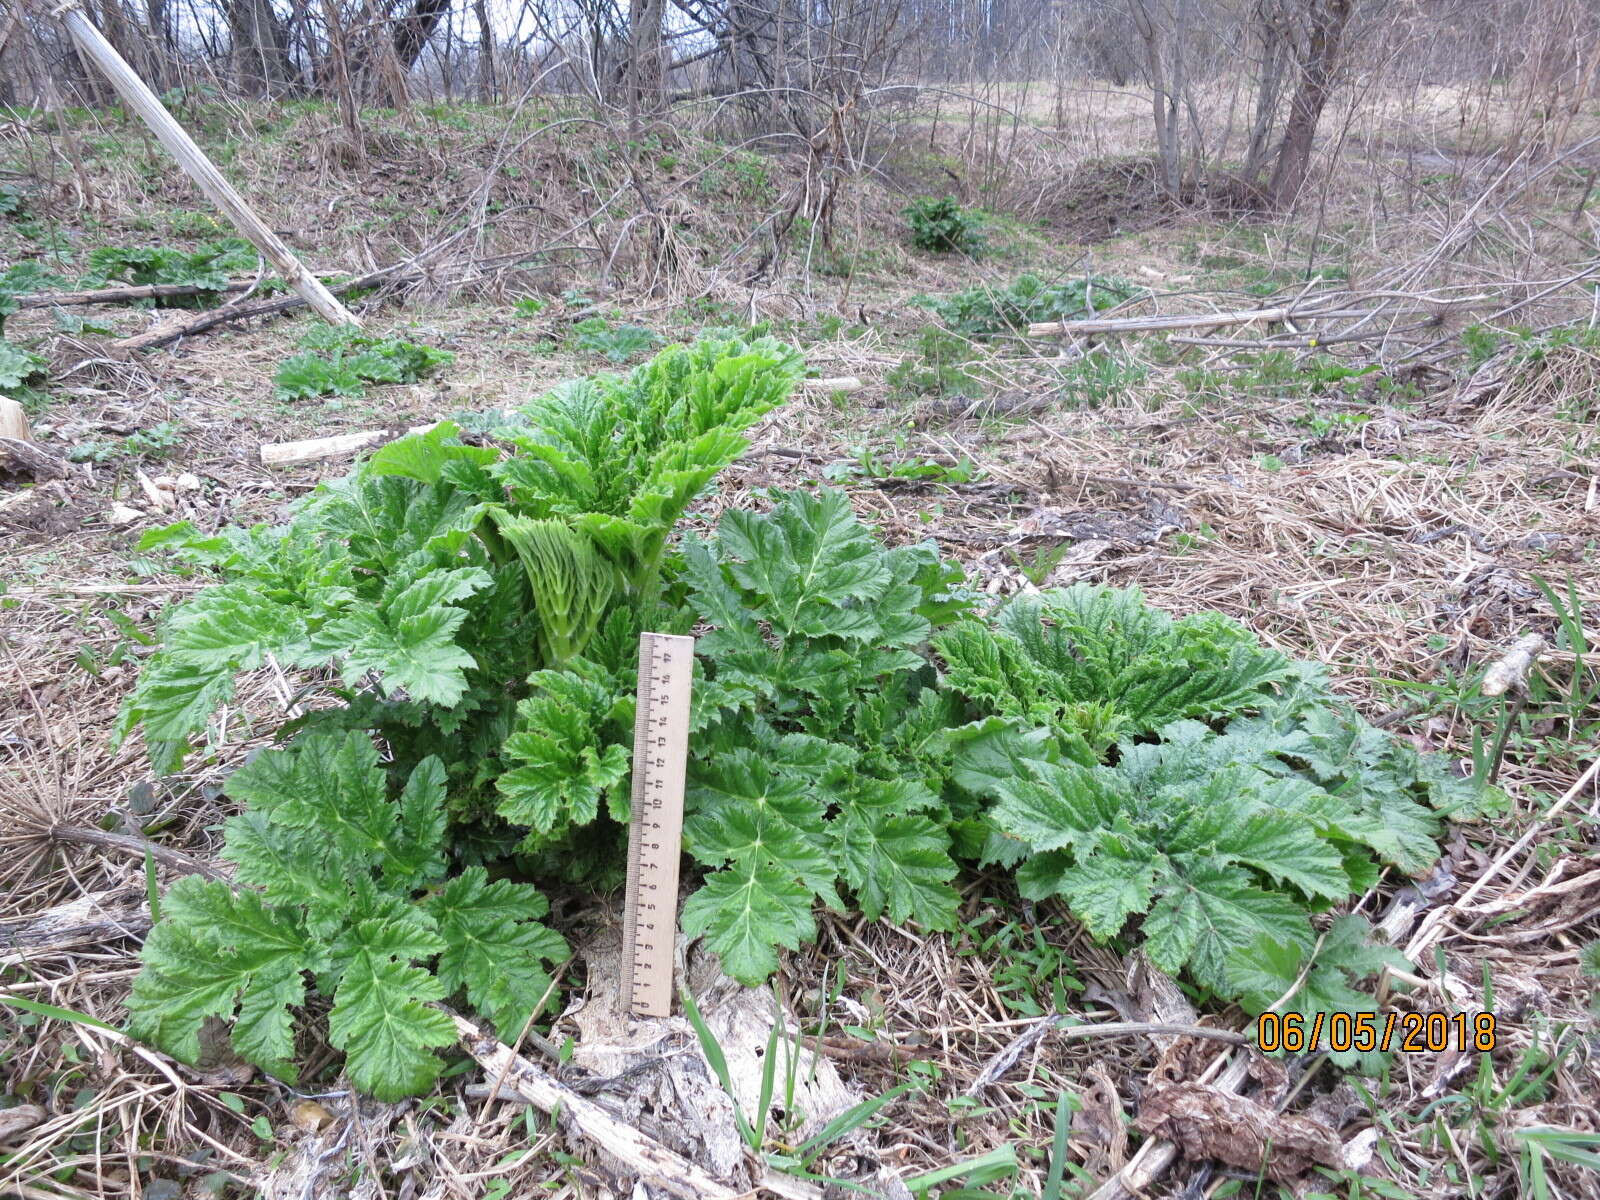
(655, 833)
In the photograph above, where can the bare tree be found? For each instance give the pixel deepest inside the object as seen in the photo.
(645, 66)
(259, 47)
(488, 80)
(413, 30)
(1319, 48)
(1269, 33)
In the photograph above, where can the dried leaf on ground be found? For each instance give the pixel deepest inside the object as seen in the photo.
(1099, 1130)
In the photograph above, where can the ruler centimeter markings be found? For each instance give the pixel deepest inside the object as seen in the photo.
(655, 835)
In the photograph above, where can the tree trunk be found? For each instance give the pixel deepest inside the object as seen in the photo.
(488, 87)
(349, 113)
(1163, 100)
(1269, 86)
(644, 60)
(260, 53)
(158, 21)
(415, 28)
(374, 64)
(1179, 93)
(1329, 18)
(113, 22)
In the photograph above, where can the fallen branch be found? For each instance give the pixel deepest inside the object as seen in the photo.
(161, 335)
(1216, 320)
(408, 271)
(210, 319)
(138, 97)
(19, 456)
(103, 589)
(124, 295)
(283, 454)
(23, 459)
(91, 919)
(1302, 342)
(133, 847)
(18, 1120)
(1333, 304)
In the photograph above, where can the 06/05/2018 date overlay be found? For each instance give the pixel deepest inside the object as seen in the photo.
(1409, 1033)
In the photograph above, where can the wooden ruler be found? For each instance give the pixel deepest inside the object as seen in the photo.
(655, 835)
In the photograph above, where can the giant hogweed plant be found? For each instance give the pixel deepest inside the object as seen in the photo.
(860, 733)
(1173, 782)
(862, 730)
(472, 609)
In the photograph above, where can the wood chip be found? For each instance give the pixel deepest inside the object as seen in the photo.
(158, 498)
(18, 1120)
(1510, 673)
(91, 919)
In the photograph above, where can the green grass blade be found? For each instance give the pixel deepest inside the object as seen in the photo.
(850, 1119)
(1058, 1150)
(712, 1049)
(152, 885)
(54, 1013)
(1000, 1161)
(1563, 1145)
(769, 1074)
(1538, 1187)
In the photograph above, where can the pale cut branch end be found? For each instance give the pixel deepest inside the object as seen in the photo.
(1510, 673)
(14, 421)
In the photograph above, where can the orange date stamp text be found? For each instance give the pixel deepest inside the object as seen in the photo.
(1409, 1033)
